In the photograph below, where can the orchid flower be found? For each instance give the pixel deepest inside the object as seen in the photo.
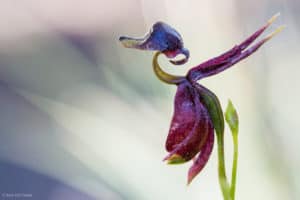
(197, 110)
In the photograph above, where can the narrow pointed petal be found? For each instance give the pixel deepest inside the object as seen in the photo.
(231, 57)
(252, 49)
(194, 139)
(202, 158)
(245, 53)
(255, 35)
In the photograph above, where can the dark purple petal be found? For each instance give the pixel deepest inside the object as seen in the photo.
(190, 126)
(183, 118)
(203, 156)
(231, 57)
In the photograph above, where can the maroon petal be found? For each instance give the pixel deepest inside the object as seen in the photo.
(183, 118)
(189, 127)
(203, 156)
(231, 57)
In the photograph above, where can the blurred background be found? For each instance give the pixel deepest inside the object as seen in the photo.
(84, 118)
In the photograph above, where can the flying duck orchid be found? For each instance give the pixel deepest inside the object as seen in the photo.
(197, 111)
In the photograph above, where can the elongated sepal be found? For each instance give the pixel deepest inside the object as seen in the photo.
(234, 55)
(203, 157)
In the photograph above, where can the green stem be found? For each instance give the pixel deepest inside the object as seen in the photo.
(232, 119)
(234, 164)
(222, 170)
(164, 76)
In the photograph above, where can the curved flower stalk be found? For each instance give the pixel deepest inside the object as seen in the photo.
(197, 110)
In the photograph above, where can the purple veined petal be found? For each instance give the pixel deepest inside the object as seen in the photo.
(203, 156)
(162, 38)
(189, 141)
(231, 57)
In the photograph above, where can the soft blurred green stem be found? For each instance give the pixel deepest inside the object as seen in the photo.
(222, 170)
(234, 164)
(232, 120)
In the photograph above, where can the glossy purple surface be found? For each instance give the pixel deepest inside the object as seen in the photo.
(190, 124)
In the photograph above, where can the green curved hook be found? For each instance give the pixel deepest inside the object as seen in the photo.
(164, 76)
